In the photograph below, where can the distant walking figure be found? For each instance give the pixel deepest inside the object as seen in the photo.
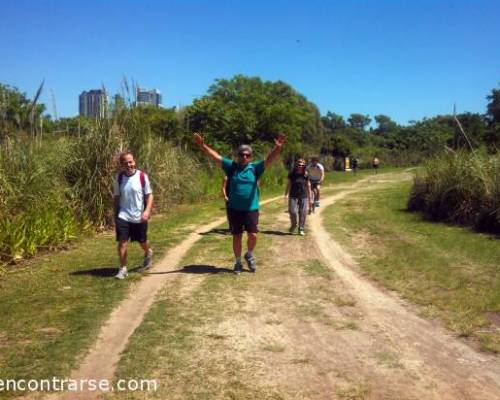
(243, 196)
(316, 173)
(354, 164)
(375, 164)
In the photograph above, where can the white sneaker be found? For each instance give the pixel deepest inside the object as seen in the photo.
(148, 260)
(301, 232)
(122, 273)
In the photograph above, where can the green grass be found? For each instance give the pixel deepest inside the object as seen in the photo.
(52, 307)
(451, 272)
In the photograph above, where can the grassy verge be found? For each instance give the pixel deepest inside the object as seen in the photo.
(52, 308)
(451, 272)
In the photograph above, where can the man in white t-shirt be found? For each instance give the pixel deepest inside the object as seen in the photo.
(133, 201)
(316, 173)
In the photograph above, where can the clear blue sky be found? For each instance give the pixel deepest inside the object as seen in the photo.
(405, 59)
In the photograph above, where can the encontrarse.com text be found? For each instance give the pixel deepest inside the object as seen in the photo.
(77, 385)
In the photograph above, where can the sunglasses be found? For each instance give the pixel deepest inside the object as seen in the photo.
(244, 155)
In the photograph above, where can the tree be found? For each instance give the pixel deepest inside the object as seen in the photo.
(359, 121)
(17, 112)
(493, 108)
(385, 125)
(248, 110)
(333, 122)
(492, 135)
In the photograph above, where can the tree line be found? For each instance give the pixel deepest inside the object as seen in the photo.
(249, 110)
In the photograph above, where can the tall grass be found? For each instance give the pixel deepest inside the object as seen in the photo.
(54, 189)
(460, 188)
(36, 209)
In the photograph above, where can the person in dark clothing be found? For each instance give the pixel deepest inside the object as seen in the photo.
(298, 192)
(354, 164)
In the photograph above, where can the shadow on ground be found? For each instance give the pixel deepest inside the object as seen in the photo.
(277, 233)
(216, 231)
(196, 269)
(105, 272)
(227, 232)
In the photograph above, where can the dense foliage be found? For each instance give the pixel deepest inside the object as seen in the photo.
(55, 174)
(249, 110)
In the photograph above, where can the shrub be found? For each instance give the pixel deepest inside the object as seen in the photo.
(460, 188)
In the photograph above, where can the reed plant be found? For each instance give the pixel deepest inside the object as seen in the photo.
(36, 209)
(54, 189)
(461, 188)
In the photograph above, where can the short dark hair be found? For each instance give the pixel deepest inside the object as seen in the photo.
(125, 153)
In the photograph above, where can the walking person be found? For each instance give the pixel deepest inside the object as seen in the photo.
(243, 197)
(133, 202)
(375, 164)
(298, 192)
(354, 164)
(316, 173)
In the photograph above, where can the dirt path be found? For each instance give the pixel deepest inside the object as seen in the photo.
(303, 335)
(101, 361)
(441, 366)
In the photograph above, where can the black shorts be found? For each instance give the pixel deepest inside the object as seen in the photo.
(129, 231)
(314, 184)
(243, 221)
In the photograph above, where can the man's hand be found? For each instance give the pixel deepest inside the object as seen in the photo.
(198, 138)
(280, 140)
(145, 216)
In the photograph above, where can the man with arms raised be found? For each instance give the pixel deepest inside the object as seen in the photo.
(243, 203)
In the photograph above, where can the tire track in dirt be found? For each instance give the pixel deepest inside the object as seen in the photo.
(452, 368)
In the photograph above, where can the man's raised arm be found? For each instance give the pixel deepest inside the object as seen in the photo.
(276, 151)
(207, 149)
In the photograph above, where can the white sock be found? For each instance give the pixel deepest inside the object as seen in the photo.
(250, 254)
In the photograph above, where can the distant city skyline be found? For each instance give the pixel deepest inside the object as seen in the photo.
(407, 60)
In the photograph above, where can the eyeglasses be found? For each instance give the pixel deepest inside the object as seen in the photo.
(244, 155)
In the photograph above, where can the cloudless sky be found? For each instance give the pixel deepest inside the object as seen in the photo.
(405, 59)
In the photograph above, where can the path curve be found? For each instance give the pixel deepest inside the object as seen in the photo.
(458, 371)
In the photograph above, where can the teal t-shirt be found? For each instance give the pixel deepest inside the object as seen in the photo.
(243, 190)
